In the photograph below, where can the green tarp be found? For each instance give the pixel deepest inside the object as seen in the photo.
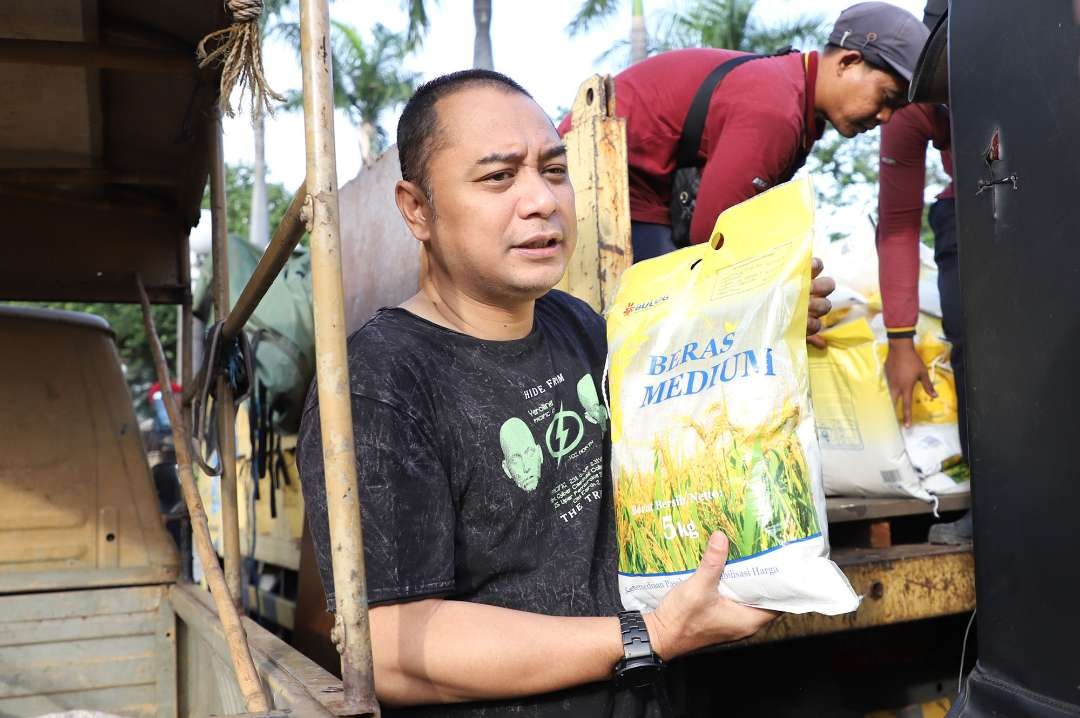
(281, 329)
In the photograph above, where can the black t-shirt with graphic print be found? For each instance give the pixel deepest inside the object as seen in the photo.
(483, 475)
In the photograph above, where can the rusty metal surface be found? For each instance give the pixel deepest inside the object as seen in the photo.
(898, 584)
(597, 160)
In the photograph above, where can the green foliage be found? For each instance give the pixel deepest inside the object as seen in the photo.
(368, 74)
(419, 22)
(725, 24)
(729, 24)
(850, 162)
(238, 183)
(926, 234)
(591, 12)
(372, 78)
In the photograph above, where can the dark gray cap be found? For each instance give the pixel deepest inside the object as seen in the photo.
(886, 35)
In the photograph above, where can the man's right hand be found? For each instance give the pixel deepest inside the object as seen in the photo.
(903, 368)
(694, 615)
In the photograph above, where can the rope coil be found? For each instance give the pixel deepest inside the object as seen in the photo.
(238, 48)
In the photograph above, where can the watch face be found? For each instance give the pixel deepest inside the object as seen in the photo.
(638, 674)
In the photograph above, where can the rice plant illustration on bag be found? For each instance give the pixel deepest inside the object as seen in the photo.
(711, 421)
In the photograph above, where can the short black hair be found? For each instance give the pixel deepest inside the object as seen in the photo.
(418, 129)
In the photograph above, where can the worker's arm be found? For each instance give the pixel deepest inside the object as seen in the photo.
(443, 651)
(901, 182)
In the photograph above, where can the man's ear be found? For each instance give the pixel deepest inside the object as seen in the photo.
(847, 60)
(415, 209)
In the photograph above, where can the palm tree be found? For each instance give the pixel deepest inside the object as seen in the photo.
(593, 11)
(419, 23)
(482, 42)
(368, 79)
(259, 227)
(371, 80)
(729, 24)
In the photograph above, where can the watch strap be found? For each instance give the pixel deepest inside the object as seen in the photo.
(635, 635)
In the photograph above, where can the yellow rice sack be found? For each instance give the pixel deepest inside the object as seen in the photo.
(862, 449)
(933, 439)
(711, 420)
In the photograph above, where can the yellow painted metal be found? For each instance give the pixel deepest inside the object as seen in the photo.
(276, 539)
(898, 584)
(597, 160)
(76, 498)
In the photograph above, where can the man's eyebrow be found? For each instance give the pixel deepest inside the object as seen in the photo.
(499, 157)
(552, 152)
(558, 150)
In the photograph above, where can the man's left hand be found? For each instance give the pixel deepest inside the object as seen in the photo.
(820, 289)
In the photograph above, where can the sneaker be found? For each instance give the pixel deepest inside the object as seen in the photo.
(955, 533)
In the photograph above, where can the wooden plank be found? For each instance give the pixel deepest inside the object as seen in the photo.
(597, 159)
(88, 54)
(70, 176)
(295, 681)
(128, 701)
(18, 633)
(43, 669)
(96, 602)
(35, 581)
(842, 509)
(166, 704)
(898, 584)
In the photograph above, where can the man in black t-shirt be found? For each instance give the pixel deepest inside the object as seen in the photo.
(489, 534)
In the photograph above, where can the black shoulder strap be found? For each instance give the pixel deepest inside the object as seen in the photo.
(690, 140)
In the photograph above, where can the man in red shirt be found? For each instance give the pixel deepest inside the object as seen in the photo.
(901, 180)
(900, 209)
(763, 118)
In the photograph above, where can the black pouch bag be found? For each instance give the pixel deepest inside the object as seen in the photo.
(687, 177)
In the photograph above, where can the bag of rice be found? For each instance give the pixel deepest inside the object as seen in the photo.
(711, 421)
(862, 450)
(933, 439)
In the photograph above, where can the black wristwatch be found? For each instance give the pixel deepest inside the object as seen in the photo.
(639, 667)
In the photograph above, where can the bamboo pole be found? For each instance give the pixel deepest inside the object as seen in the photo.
(286, 237)
(246, 675)
(223, 402)
(332, 372)
(88, 54)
